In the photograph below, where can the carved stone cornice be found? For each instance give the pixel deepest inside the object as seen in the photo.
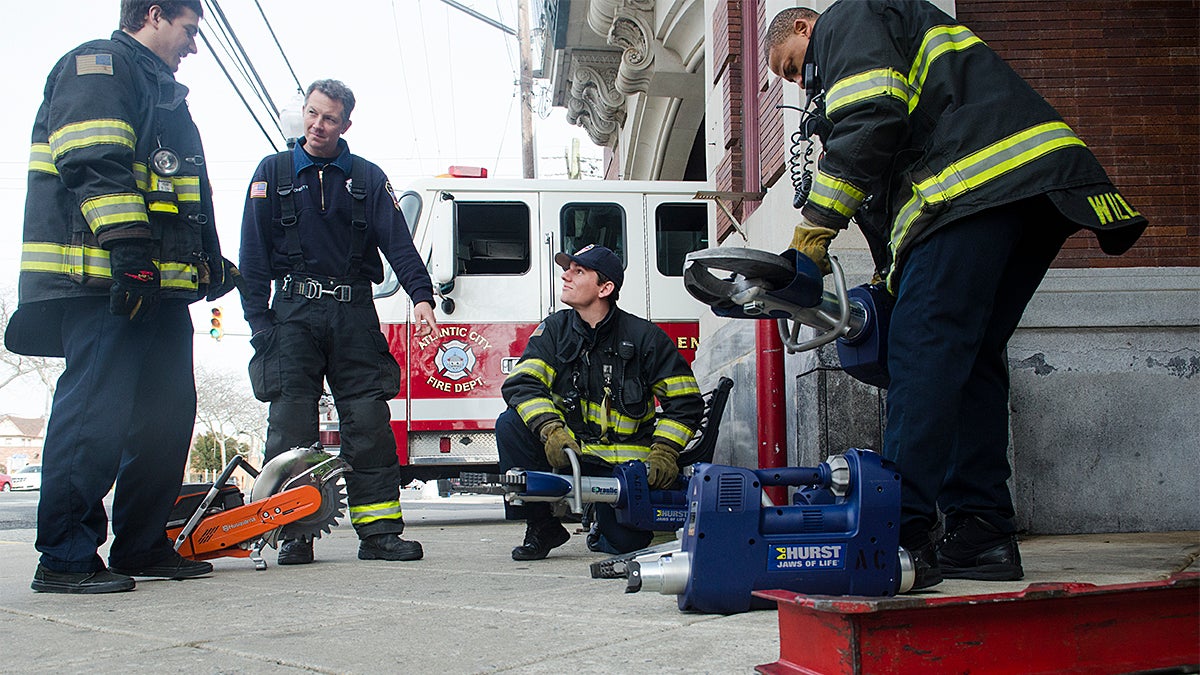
(647, 66)
(594, 102)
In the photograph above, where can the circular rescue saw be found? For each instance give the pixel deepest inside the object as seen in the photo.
(297, 495)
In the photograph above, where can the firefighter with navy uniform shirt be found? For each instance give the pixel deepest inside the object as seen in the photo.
(316, 219)
(119, 240)
(588, 380)
(966, 184)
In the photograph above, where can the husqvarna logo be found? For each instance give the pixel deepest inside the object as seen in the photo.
(454, 360)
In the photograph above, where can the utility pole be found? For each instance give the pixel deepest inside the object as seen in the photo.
(527, 148)
(526, 76)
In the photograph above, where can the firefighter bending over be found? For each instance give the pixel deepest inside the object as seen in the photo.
(587, 381)
(315, 221)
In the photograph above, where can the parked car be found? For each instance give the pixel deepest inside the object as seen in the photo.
(5, 482)
(29, 478)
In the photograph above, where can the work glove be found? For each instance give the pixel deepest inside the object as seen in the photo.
(555, 437)
(224, 276)
(661, 466)
(135, 288)
(813, 241)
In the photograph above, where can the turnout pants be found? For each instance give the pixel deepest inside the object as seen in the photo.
(323, 339)
(518, 447)
(122, 414)
(961, 295)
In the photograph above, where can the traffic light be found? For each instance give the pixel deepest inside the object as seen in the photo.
(216, 331)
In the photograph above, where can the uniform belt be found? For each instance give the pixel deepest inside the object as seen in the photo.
(316, 288)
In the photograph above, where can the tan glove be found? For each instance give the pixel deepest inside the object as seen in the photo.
(813, 241)
(661, 467)
(555, 437)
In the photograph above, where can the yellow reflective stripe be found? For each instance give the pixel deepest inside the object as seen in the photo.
(92, 261)
(93, 132)
(529, 410)
(871, 84)
(141, 175)
(836, 195)
(178, 275)
(369, 513)
(187, 188)
(977, 169)
(681, 385)
(615, 453)
(997, 159)
(937, 41)
(535, 368)
(672, 430)
(616, 421)
(58, 259)
(40, 159)
(108, 210)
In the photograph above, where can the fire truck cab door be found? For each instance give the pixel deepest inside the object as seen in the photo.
(571, 221)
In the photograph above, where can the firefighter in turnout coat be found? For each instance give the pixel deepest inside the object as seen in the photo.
(966, 183)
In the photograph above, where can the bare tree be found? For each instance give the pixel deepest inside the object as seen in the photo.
(225, 406)
(26, 369)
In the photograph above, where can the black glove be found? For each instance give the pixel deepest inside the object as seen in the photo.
(224, 276)
(135, 286)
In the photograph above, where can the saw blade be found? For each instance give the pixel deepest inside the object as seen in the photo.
(333, 506)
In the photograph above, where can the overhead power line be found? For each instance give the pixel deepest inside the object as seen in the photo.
(279, 46)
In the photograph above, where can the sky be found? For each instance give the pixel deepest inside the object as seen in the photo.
(434, 87)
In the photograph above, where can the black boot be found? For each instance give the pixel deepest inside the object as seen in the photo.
(926, 569)
(975, 549)
(540, 537)
(100, 581)
(295, 551)
(173, 566)
(389, 547)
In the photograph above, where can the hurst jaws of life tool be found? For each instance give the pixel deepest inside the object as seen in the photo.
(295, 496)
(628, 490)
(840, 534)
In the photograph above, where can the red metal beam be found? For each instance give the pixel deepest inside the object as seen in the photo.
(1046, 628)
(771, 399)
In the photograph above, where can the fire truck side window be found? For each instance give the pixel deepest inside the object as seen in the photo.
(493, 237)
(679, 229)
(603, 224)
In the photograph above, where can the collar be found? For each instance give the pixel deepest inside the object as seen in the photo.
(343, 161)
(170, 92)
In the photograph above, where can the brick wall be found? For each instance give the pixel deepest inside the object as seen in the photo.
(1125, 74)
(727, 52)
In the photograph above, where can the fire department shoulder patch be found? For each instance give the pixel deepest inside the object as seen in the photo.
(538, 331)
(395, 202)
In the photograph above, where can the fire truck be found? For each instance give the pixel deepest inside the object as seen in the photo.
(489, 245)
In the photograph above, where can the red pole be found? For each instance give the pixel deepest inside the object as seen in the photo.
(770, 396)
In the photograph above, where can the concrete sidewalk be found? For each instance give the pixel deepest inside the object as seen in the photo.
(466, 608)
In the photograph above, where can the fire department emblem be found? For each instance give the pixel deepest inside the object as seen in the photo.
(454, 360)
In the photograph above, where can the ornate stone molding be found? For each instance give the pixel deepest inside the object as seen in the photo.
(593, 102)
(647, 66)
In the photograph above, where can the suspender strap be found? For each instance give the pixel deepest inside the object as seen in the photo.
(284, 172)
(358, 217)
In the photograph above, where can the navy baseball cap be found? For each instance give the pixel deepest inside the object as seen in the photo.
(595, 257)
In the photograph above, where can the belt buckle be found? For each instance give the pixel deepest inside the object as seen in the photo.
(342, 293)
(312, 289)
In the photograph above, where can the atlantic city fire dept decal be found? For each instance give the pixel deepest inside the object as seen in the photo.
(455, 360)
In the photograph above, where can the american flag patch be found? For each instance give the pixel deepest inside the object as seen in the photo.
(258, 189)
(94, 64)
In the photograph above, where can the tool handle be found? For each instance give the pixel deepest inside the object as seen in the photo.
(795, 476)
